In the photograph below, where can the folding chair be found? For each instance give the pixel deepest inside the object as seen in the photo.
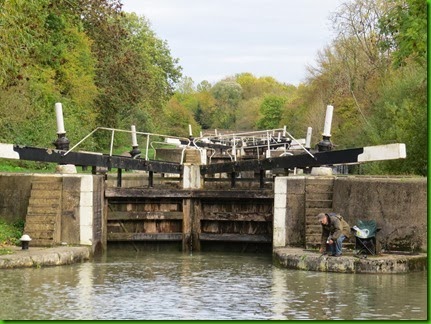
(365, 237)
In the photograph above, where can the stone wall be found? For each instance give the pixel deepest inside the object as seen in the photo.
(14, 196)
(80, 208)
(399, 206)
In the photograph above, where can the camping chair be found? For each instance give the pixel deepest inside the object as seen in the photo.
(365, 234)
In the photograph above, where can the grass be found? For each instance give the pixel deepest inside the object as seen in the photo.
(10, 235)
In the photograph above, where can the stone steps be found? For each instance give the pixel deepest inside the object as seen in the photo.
(318, 199)
(43, 219)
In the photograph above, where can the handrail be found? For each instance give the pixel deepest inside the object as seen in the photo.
(300, 145)
(113, 130)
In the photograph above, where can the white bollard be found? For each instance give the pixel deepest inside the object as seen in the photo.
(308, 138)
(134, 139)
(328, 121)
(59, 115)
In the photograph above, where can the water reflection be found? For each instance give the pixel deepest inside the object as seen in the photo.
(205, 286)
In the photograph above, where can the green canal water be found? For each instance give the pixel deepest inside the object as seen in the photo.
(207, 286)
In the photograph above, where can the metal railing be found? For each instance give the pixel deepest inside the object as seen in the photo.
(148, 137)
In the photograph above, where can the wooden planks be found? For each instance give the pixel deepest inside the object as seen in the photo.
(145, 236)
(145, 215)
(238, 216)
(181, 193)
(232, 237)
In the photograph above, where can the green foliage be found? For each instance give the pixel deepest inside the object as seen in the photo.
(405, 26)
(56, 65)
(400, 115)
(375, 102)
(109, 69)
(227, 94)
(271, 111)
(106, 67)
(10, 233)
(178, 117)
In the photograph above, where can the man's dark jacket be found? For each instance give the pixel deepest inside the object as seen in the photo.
(334, 228)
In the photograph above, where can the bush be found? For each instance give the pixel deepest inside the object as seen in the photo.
(11, 233)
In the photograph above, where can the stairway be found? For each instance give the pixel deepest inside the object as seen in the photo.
(318, 199)
(43, 220)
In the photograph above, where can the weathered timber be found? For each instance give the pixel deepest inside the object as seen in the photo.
(193, 212)
(181, 193)
(187, 225)
(286, 162)
(94, 160)
(196, 215)
(231, 216)
(231, 237)
(145, 236)
(145, 215)
(267, 180)
(349, 156)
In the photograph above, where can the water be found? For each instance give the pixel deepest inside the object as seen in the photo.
(167, 285)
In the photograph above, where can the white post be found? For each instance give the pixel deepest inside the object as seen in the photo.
(284, 130)
(192, 176)
(308, 138)
(59, 115)
(328, 121)
(234, 149)
(280, 212)
(190, 130)
(134, 140)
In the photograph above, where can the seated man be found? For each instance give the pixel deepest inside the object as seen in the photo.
(334, 230)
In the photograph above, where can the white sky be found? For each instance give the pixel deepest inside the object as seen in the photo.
(214, 39)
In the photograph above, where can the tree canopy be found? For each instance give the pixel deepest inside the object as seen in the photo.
(110, 69)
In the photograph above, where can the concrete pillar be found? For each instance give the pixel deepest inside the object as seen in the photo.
(280, 212)
(192, 176)
(86, 210)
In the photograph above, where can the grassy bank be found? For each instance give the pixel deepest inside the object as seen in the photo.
(10, 235)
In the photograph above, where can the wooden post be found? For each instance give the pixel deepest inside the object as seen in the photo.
(187, 225)
(232, 179)
(192, 211)
(196, 225)
(150, 179)
(262, 179)
(119, 177)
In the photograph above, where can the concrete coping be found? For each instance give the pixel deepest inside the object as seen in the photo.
(300, 259)
(41, 257)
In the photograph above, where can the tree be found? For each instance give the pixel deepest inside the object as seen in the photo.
(46, 58)
(178, 119)
(136, 74)
(271, 111)
(405, 29)
(227, 94)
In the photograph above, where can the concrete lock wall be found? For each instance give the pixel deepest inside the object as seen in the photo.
(399, 206)
(14, 196)
(80, 205)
